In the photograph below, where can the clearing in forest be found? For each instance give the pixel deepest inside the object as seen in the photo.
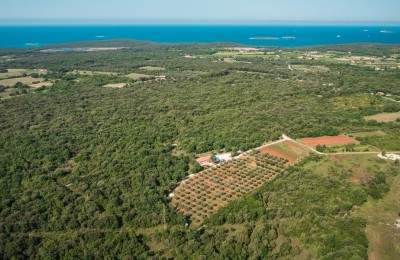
(24, 80)
(382, 215)
(151, 68)
(92, 73)
(12, 73)
(327, 140)
(354, 168)
(308, 68)
(203, 194)
(115, 85)
(383, 227)
(41, 84)
(384, 117)
(137, 76)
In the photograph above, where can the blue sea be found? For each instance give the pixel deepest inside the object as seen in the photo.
(283, 36)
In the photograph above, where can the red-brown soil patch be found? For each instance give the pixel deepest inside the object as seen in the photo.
(327, 140)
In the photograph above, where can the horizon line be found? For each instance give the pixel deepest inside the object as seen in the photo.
(102, 22)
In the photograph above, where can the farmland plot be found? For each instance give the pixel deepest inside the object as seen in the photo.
(203, 194)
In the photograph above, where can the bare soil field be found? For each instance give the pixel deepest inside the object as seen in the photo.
(384, 117)
(327, 140)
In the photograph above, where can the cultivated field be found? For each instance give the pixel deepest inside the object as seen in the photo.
(327, 140)
(289, 150)
(384, 117)
(203, 194)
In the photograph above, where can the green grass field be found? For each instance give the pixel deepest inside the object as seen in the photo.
(19, 72)
(355, 148)
(382, 234)
(381, 215)
(355, 168)
(137, 76)
(364, 134)
(25, 80)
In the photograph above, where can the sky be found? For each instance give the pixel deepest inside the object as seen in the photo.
(197, 11)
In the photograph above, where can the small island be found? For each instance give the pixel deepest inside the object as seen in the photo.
(264, 38)
(386, 31)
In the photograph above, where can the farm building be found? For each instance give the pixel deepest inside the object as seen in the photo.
(390, 156)
(223, 157)
(205, 160)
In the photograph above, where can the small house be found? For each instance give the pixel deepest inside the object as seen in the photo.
(223, 157)
(205, 160)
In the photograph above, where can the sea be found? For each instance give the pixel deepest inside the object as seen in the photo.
(282, 36)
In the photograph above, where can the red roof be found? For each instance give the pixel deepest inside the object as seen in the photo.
(204, 159)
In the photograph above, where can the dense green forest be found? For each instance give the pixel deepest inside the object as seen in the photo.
(85, 171)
